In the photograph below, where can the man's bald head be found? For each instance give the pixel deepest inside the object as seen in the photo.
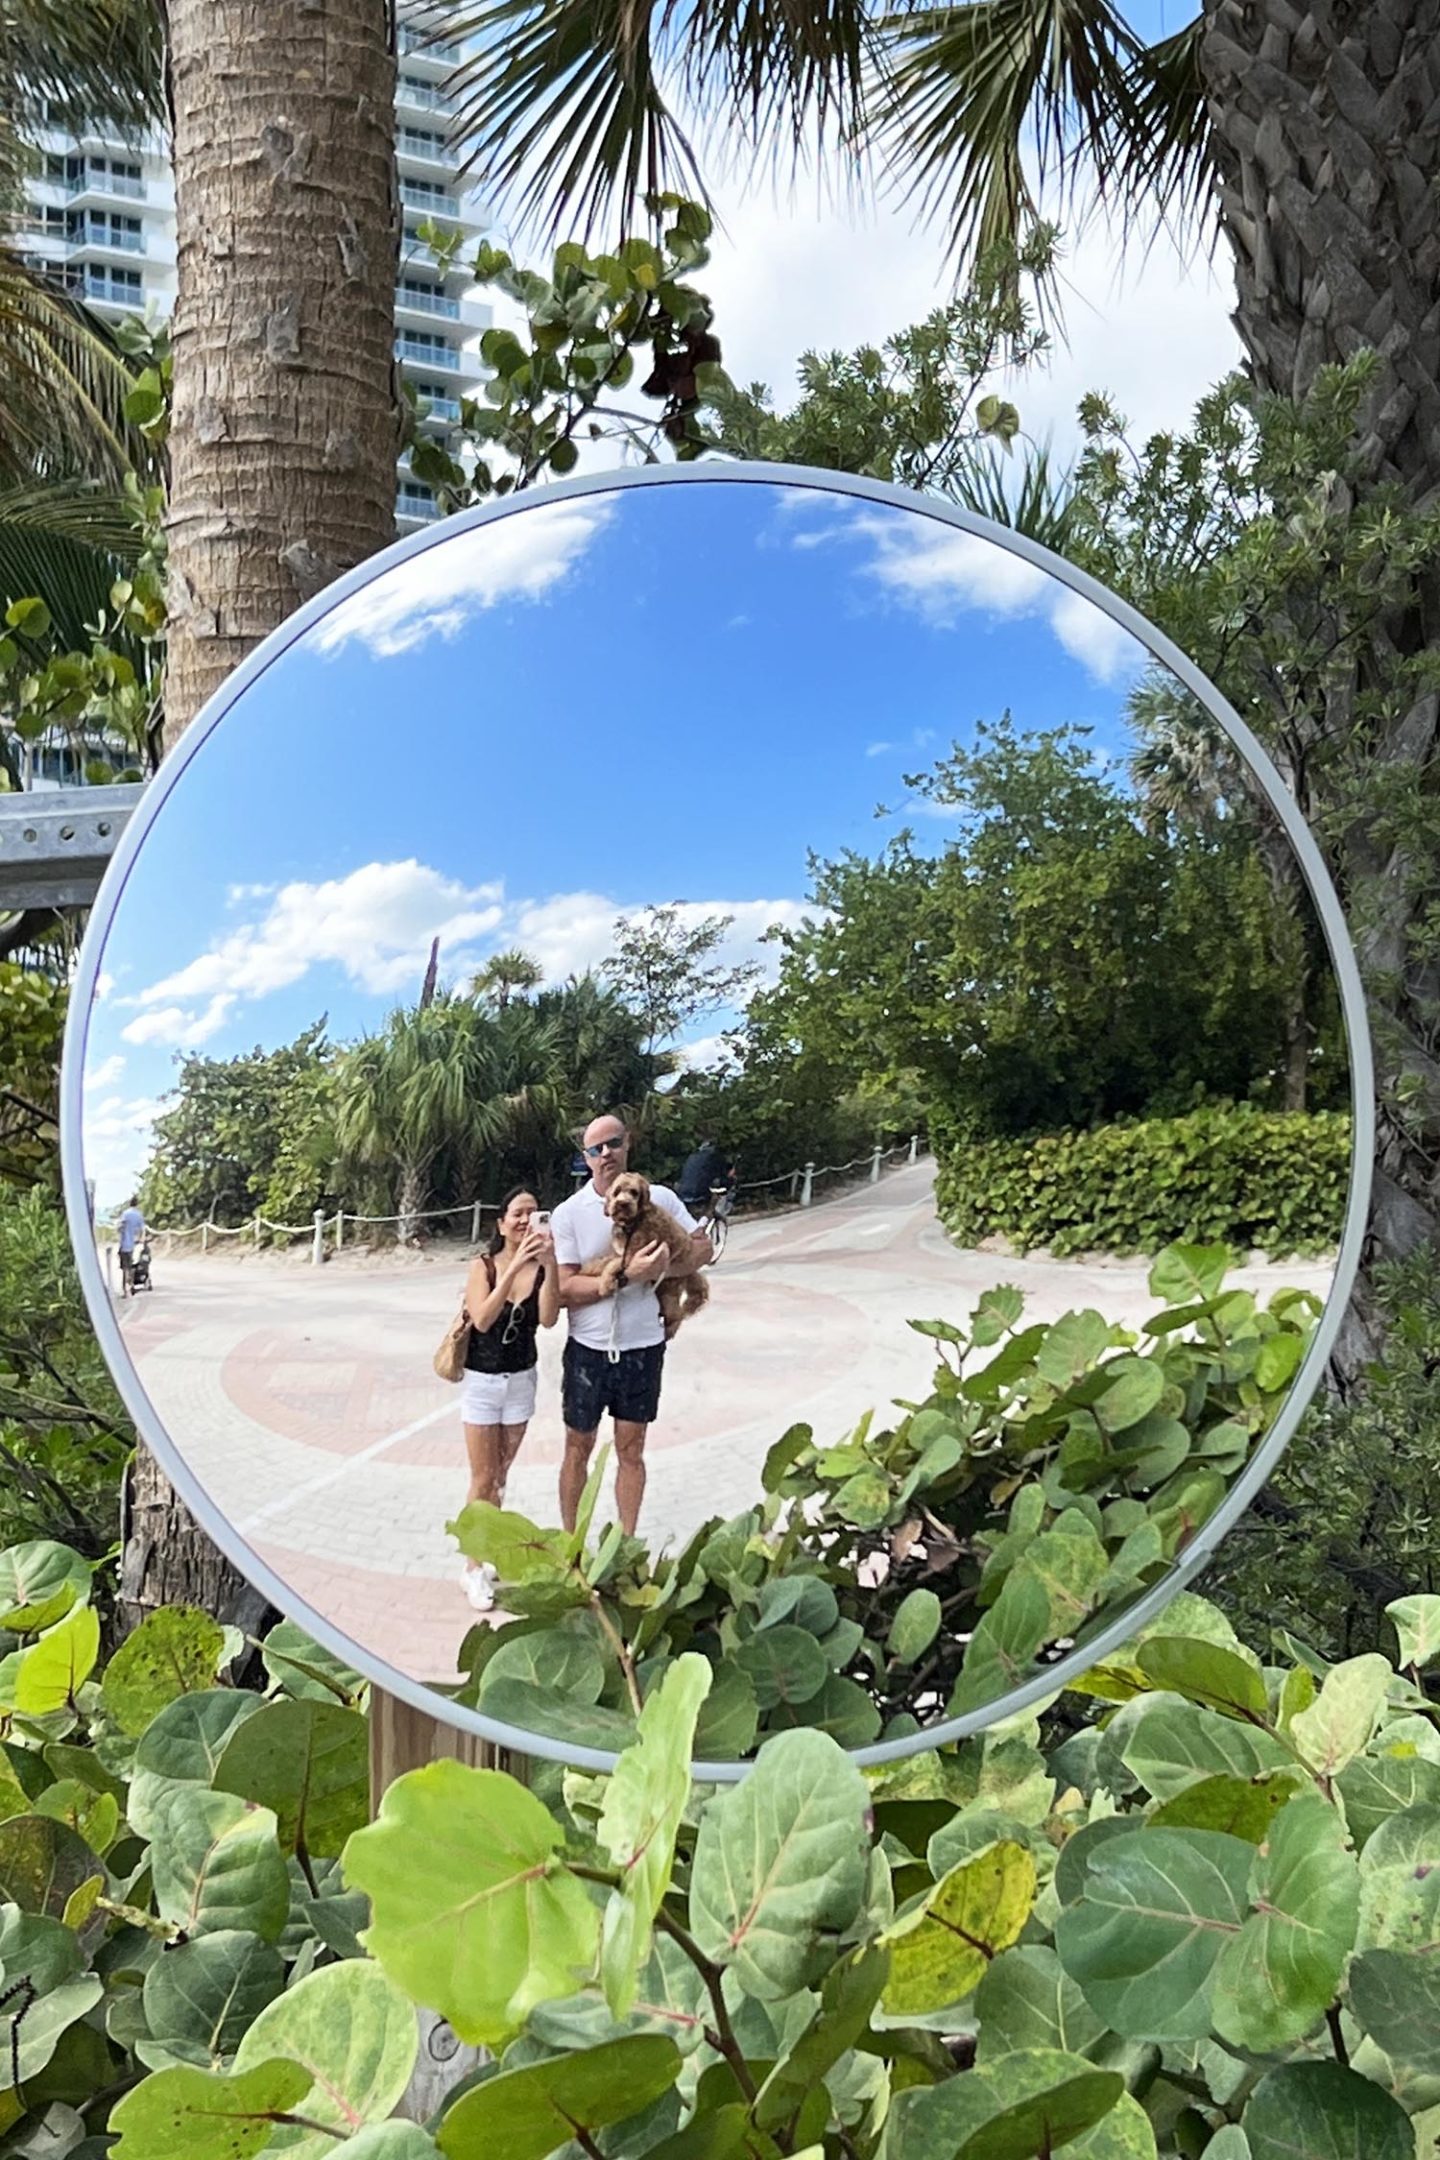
(607, 1149)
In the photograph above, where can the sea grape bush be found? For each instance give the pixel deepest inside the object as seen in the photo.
(1054, 1471)
(1272, 1181)
(1206, 1920)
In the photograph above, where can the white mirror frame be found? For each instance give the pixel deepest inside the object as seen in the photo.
(1044, 1683)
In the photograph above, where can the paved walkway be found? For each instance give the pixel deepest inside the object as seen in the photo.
(305, 1401)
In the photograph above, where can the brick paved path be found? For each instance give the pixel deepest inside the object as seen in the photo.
(304, 1398)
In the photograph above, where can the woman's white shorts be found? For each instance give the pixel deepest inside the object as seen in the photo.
(498, 1398)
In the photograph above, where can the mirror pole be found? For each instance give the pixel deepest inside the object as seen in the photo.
(402, 1739)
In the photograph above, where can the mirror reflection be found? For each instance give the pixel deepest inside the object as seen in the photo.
(745, 1026)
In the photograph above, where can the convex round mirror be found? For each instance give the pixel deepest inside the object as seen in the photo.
(854, 1014)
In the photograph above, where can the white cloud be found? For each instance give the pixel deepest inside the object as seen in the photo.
(184, 1030)
(572, 932)
(376, 925)
(878, 749)
(791, 278)
(118, 1135)
(105, 1074)
(699, 1056)
(435, 593)
(942, 574)
(104, 984)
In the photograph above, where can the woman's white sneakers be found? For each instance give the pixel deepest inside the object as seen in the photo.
(481, 1583)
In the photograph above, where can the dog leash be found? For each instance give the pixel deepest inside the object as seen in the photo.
(614, 1350)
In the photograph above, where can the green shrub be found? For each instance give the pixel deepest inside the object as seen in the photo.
(64, 1436)
(1266, 1181)
(1349, 1518)
(1053, 1472)
(1207, 1922)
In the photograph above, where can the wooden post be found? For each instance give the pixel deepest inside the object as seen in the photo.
(403, 1739)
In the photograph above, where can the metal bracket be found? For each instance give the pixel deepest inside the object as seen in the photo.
(55, 843)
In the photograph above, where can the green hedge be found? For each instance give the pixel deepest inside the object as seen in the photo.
(1269, 1181)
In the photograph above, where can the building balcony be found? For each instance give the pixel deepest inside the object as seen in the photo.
(440, 412)
(435, 202)
(413, 95)
(97, 236)
(413, 147)
(412, 300)
(415, 44)
(416, 505)
(103, 290)
(418, 354)
(107, 184)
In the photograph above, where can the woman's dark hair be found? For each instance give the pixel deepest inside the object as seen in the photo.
(497, 1238)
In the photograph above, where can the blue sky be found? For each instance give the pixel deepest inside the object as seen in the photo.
(590, 706)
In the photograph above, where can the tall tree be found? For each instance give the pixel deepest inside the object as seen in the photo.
(1307, 138)
(286, 418)
(666, 967)
(285, 423)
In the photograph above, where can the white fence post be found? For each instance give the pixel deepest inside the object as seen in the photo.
(340, 1229)
(475, 1224)
(809, 1181)
(110, 1269)
(318, 1251)
(875, 1165)
(914, 1147)
(257, 1233)
(204, 1237)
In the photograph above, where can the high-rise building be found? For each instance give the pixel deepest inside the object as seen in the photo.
(100, 214)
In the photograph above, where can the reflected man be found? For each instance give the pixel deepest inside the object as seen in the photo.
(615, 1352)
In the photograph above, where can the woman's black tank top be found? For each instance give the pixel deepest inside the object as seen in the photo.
(489, 1352)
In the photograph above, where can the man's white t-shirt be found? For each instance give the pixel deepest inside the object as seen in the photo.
(132, 1223)
(582, 1232)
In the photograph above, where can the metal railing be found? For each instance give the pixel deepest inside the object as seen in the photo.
(324, 1228)
(425, 48)
(444, 357)
(95, 182)
(97, 231)
(98, 285)
(409, 90)
(420, 143)
(439, 201)
(428, 301)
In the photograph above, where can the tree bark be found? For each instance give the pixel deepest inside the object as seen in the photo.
(285, 424)
(1325, 124)
(285, 429)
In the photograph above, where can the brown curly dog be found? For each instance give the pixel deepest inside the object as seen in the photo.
(637, 1222)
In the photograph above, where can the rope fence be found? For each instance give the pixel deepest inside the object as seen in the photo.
(327, 1231)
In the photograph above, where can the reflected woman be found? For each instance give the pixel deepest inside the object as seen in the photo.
(512, 1291)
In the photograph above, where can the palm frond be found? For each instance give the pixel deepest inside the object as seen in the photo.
(564, 107)
(72, 60)
(1035, 499)
(1173, 170)
(66, 382)
(69, 543)
(972, 96)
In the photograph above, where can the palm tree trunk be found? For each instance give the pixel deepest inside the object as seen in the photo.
(411, 1201)
(1326, 130)
(284, 430)
(285, 427)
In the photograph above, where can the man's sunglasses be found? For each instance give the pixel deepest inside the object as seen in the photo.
(605, 1147)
